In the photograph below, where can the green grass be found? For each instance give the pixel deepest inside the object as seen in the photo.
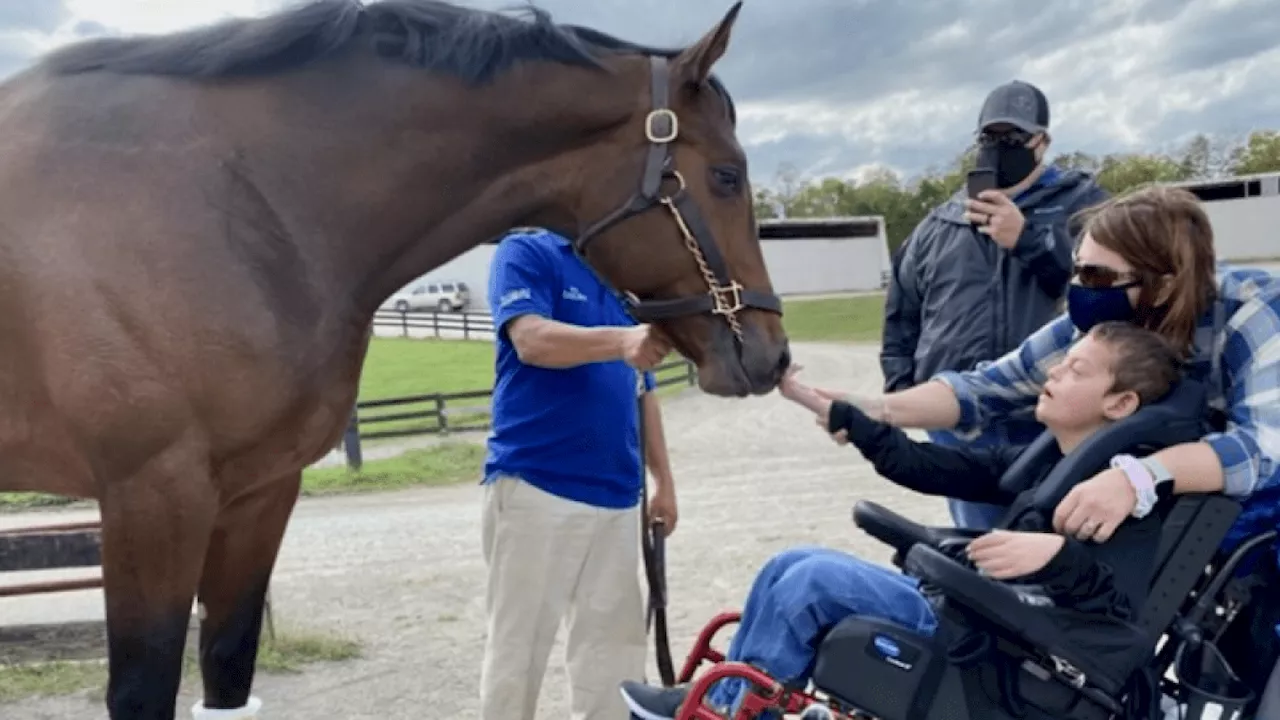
(405, 367)
(445, 464)
(448, 463)
(846, 319)
(398, 367)
(19, 501)
(290, 653)
(401, 367)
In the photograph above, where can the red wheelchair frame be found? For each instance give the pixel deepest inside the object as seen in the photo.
(765, 693)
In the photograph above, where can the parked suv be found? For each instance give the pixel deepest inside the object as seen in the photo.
(438, 296)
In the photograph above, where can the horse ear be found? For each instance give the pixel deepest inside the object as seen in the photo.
(694, 64)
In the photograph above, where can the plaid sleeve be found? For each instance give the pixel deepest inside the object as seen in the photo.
(1012, 383)
(1249, 449)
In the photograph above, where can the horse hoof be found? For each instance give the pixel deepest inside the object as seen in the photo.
(248, 712)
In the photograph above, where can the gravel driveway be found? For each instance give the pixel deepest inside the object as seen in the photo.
(402, 572)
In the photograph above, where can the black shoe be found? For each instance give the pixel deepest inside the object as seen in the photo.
(648, 702)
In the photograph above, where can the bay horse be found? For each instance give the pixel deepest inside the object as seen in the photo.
(198, 227)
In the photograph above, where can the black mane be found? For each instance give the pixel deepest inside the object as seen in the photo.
(472, 44)
(469, 43)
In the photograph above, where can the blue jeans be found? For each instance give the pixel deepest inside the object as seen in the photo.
(965, 513)
(803, 592)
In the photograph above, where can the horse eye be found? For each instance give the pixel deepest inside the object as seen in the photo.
(726, 179)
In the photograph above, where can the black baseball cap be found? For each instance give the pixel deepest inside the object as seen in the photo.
(1018, 103)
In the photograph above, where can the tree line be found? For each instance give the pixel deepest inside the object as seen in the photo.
(904, 202)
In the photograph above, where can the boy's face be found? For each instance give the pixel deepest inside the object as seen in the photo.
(1077, 396)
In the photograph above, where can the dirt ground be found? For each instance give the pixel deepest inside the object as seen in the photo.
(402, 572)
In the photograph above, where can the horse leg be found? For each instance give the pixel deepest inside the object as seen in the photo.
(154, 529)
(237, 570)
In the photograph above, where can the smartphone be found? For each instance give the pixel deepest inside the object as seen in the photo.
(980, 179)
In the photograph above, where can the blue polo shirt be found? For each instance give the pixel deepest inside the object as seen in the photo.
(572, 432)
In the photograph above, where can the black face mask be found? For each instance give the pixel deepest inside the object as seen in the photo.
(1013, 162)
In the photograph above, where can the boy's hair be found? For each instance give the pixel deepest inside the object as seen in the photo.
(1145, 362)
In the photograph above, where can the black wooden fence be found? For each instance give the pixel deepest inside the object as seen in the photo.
(468, 325)
(445, 413)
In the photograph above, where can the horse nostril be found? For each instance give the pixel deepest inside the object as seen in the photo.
(784, 360)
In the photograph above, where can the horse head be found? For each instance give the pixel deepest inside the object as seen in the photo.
(663, 212)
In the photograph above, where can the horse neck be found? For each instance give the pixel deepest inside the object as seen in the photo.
(396, 171)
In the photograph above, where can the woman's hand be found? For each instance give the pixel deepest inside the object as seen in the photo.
(1096, 507)
(816, 401)
(1005, 554)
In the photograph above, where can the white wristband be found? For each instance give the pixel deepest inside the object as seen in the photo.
(1142, 481)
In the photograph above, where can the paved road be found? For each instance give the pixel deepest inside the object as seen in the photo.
(402, 572)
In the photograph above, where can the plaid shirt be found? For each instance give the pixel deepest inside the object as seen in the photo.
(1247, 388)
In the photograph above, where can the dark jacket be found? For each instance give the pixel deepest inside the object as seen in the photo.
(1097, 591)
(1110, 578)
(956, 298)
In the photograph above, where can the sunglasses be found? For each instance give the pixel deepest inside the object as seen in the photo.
(1102, 277)
(990, 138)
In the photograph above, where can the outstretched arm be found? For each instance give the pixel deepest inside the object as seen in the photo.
(971, 399)
(523, 286)
(958, 472)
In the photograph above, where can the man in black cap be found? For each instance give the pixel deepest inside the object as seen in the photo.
(978, 275)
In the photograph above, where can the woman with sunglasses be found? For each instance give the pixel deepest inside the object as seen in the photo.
(1147, 258)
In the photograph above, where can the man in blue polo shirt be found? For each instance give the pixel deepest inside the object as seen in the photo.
(561, 527)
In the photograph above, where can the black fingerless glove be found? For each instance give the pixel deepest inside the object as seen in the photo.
(841, 416)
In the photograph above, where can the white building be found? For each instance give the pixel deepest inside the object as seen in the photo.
(804, 256)
(808, 256)
(1245, 213)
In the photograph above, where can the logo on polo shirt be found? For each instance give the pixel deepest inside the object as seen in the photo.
(573, 293)
(513, 295)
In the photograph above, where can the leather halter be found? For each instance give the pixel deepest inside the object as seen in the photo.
(725, 296)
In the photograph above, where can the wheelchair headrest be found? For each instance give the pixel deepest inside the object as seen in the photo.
(1177, 418)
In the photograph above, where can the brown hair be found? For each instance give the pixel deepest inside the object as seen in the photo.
(1163, 233)
(1145, 361)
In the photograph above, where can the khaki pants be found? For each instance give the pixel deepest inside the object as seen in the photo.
(551, 559)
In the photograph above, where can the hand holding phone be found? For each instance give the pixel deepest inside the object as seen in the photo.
(980, 179)
(996, 215)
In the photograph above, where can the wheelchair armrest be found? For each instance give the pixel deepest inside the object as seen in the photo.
(1015, 614)
(994, 601)
(901, 533)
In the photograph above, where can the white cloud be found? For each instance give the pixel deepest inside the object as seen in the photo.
(158, 16)
(835, 86)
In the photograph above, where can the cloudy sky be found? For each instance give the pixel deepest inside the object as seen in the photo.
(833, 87)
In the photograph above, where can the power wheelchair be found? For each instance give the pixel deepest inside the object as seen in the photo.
(991, 659)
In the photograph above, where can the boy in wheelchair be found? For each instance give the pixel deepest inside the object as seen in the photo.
(802, 593)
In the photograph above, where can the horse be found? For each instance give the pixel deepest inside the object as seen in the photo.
(197, 228)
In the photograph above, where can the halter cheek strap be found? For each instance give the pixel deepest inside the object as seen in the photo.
(725, 297)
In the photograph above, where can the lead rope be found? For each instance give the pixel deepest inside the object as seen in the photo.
(653, 550)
